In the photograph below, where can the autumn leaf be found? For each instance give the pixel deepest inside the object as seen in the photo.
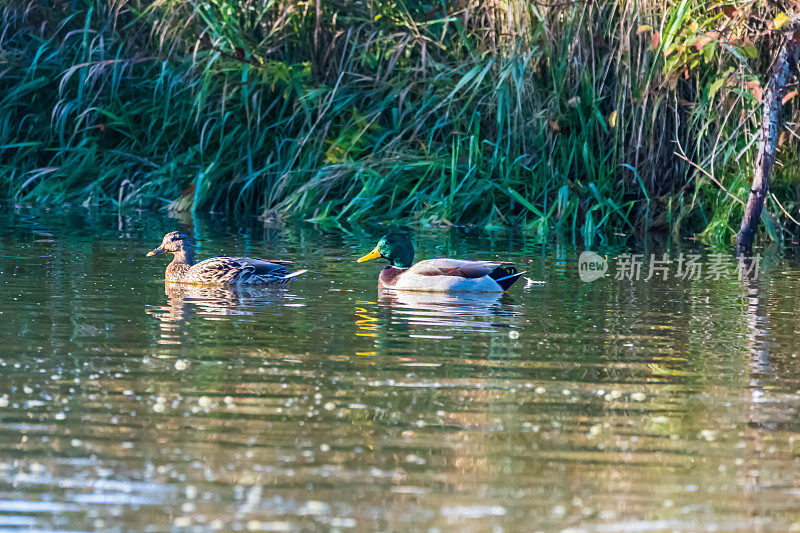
(705, 39)
(782, 138)
(612, 119)
(755, 89)
(654, 40)
(780, 20)
(554, 125)
(575, 100)
(730, 11)
(701, 42)
(644, 28)
(788, 97)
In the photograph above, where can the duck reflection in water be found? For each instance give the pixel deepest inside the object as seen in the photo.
(212, 302)
(447, 304)
(434, 310)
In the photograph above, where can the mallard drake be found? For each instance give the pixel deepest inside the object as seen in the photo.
(444, 275)
(217, 270)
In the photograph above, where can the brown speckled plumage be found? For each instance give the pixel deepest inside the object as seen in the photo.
(218, 270)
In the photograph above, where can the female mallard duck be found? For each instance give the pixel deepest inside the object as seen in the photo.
(445, 275)
(217, 270)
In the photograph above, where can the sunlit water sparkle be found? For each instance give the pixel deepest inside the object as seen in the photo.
(607, 406)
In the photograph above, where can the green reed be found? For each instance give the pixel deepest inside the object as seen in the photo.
(556, 117)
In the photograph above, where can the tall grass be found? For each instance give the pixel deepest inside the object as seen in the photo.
(545, 115)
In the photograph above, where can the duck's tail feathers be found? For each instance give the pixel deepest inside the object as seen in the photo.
(291, 275)
(505, 276)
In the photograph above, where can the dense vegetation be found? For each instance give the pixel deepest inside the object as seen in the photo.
(551, 114)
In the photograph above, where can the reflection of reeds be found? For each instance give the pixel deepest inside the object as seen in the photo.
(551, 115)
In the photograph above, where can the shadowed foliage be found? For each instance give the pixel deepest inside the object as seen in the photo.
(545, 115)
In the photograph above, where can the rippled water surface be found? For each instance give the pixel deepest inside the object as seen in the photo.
(605, 406)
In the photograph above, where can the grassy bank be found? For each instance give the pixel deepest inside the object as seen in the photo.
(546, 115)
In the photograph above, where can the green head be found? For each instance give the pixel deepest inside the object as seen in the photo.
(395, 247)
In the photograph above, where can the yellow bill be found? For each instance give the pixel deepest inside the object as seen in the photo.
(374, 254)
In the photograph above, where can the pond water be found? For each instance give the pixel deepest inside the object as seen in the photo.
(615, 405)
